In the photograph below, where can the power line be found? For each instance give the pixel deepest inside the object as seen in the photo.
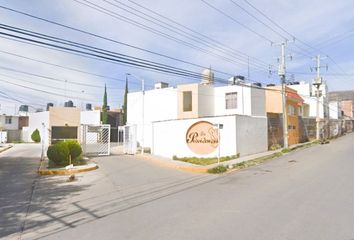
(65, 67)
(54, 79)
(197, 37)
(295, 38)
(101, 54)
(153, 30)
(258, 20)
(93, 49)
(107, 39)
(196, 32)
(238, 22)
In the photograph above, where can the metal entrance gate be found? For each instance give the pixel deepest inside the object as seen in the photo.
(95, 140)
(129, 139)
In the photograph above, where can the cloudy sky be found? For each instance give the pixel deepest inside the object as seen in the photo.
(230, 36)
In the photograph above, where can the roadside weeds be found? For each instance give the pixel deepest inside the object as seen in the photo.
(257, 161)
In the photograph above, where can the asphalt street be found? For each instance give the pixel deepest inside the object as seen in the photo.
(307, 194)
(18, 167)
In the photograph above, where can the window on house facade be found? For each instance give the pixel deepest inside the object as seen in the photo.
(231, 100)
(187, 101)
(8, 120)
(292, 110)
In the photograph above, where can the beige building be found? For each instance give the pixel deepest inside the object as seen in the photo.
(58, 123)
(347, 108)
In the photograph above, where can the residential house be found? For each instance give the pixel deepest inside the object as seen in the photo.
(294, 109)
(164, 117)
(11, 127)
(307, 91)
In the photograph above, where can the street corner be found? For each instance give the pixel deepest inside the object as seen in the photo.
(66, 171)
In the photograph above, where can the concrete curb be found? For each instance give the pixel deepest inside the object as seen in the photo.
(204, 169)
(168, 164)
(62, 171)
(6, 148)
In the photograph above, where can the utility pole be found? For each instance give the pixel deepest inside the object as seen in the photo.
(143, 109)
(317, 83)
(143, 126)
(281, 73)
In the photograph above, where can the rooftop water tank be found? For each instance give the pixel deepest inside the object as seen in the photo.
(207, 77)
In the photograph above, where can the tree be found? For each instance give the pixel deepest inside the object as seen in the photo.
(36, 137)
(104, 107)
(125, 101)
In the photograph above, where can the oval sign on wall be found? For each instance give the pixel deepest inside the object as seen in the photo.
(202, 138)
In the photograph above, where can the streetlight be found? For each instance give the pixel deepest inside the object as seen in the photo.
(143, 119)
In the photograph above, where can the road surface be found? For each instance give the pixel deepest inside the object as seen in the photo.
(18, 167)
(307, 195)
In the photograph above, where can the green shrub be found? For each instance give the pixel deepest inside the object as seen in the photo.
(75, 149)
(36, 137)
(218, 169)
(59, 154)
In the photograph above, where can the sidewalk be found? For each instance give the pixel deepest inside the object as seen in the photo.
(4, 147)
(185, 166)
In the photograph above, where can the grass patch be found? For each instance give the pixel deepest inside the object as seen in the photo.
(79, 161)
(218, 169)
(256, 161)
(306, 145)
(275, 147)
(286, 150)
(205, 161)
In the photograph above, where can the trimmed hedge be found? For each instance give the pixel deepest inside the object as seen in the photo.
(74, 149)
(36, 137)
(60, 152)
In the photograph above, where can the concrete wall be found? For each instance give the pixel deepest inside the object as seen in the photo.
(169, 137)
(240, 134)
(35, 122)
(159, 104)
(273, 100)
(64, 116)
(251, 135)
(257, 102)
(334, 110)
(243, 101)
(205, 100)
(90, 117)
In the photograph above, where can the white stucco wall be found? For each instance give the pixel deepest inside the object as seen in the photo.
(334, 110)
(35, 121)
(240, 134)
(243, 100)
(169, 137)
(205, 100)
(159, 104)
(90, 117)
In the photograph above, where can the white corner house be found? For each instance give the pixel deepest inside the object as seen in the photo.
(165, 118)
(308, 92)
